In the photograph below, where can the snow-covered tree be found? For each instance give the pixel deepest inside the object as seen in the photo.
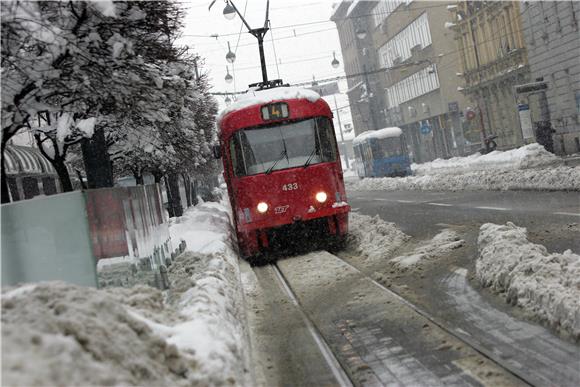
(77, 61)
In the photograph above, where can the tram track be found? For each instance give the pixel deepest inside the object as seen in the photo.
(362, 353)
(338, 371)
(463, 336)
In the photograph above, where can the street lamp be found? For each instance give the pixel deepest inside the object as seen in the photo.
(228, 77)
(361, 33)
(230, 56)
(228, 100)
(229, 11)
(335, 63)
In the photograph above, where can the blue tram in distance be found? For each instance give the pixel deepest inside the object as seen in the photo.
(382, 153)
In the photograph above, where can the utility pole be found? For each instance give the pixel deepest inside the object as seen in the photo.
(371, 110)
(259, 33)
(341, 135)
(483, 132)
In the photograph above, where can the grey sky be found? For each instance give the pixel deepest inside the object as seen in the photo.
(304, 40)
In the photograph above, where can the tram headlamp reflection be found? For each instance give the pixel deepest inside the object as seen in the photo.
(262, 207)
(321, 197)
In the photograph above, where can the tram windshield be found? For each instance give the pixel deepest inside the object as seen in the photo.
(290, 145)
(389, 147)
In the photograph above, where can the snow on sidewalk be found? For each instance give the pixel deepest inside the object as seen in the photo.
(545, 284)
(550, 179)
(528, 156)
(527, 168)
(60, 334)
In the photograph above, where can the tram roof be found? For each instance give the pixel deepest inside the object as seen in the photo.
(380, 133)
(259, 97)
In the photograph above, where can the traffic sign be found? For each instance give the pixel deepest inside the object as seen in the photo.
(425, 128)
(469, 114)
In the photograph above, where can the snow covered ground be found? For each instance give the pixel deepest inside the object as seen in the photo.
(543, 283)
(60, 334)
(372, 237)
(441, 244)
(529, 156)
(529, 167)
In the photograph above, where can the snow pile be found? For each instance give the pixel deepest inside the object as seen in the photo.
(529, 156)
(259, 97)
(372, 237)
(59, 334)
(558, 178)
(443, 243)
(546, 284)
(205, 228)
(206, 286)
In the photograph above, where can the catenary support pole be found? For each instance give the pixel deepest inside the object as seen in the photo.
(341, 135)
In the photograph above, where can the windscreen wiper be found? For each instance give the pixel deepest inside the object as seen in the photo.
(283, 155)
(310, 157)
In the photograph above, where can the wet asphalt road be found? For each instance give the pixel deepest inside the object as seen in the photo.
(551, 218)
(421, 214)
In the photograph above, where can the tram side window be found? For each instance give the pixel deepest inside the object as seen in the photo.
(238, 165)
(357, 154)
(404, 149)
(327, 139)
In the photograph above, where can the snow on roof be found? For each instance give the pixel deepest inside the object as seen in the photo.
(258, 97)
(381, 133)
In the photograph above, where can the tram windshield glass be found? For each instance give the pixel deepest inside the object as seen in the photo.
(389, 147)
(290, 145)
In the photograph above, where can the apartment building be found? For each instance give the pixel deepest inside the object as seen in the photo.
(413, 62)
(552, 36)
(493, 61)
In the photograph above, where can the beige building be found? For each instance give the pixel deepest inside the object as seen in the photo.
(412, 65)
(493, 60)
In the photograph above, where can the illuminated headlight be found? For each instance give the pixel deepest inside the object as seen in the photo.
(262, 207)
(321, 197)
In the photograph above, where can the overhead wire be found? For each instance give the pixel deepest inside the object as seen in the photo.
(384, 69)
(274, 49)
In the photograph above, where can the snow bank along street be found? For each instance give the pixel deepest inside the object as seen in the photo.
(529, 167)
(546, 284)
(372, 237)
(59, 334)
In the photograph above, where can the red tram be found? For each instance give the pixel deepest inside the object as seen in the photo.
(282, 167)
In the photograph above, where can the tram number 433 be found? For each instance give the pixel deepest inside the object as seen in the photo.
(290, 187)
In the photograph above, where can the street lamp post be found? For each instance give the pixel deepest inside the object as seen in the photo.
(229, 12)
(341, 135)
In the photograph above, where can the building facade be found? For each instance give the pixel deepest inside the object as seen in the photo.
(360, 65)
(552, 36)
(413, 79)
(421, 84)
(493, 60)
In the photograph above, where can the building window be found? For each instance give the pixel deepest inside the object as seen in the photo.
(415, 34)
(385, 8)
(421, 82)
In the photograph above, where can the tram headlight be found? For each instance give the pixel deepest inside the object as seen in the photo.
(321, 197)
(262, 207)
